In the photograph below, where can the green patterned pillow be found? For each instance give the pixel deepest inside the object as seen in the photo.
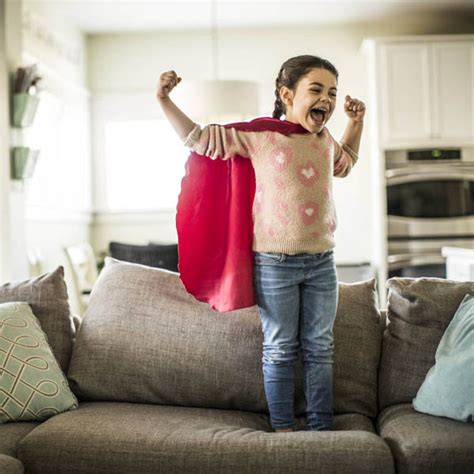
(32, 386)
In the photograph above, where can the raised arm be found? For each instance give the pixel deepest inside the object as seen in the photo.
(346, 151)
(177, 118)
(214, 141)
(355, 110)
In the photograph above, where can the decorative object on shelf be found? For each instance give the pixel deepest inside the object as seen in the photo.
(23, 162)
(24, 109)
(25, 100)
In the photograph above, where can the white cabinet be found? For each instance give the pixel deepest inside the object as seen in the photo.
(453, 90)
(426, 92)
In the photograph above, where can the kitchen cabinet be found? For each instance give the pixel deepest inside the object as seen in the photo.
(420, 95)
(426, 91)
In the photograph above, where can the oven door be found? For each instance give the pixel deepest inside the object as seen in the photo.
(430, 201)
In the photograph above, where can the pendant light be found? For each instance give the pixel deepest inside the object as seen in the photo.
(216, 99)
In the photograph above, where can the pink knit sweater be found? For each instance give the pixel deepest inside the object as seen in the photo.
(293, 210)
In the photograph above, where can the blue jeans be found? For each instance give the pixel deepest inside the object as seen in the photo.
(297, 298)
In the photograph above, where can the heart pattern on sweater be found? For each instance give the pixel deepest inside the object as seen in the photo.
(309, 212)
(282, 157)
(308, 174)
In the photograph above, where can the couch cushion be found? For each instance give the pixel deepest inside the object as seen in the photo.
(145, 339)
(12, 433)
(419, 310)
(426, 444)
(448, 389)
(9, 465)
(132, 438)
(358, 339)
(47, 296)
(33, 387)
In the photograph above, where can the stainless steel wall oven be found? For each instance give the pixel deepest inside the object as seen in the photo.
(430, 205)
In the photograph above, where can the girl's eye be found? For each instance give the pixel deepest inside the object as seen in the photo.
(318, 91)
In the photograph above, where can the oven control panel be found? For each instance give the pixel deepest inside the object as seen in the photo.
(434, 154)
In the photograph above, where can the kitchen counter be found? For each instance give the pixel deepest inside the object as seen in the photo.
(459, 263)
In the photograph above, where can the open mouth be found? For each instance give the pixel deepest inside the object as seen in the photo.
(318, 114)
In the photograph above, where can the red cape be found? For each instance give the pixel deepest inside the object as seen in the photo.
(215, 226)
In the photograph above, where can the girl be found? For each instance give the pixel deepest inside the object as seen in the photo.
(294, 219)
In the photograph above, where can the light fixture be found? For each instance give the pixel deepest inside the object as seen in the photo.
(217, 99)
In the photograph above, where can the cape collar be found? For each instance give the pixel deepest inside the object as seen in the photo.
(262, 124)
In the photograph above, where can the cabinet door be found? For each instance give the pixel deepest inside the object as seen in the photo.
(405, 89)
(453, 81)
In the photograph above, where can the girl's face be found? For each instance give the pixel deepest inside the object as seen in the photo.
(313, 101)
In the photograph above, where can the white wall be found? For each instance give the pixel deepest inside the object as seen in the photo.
(5, 264)
(52, 209)
(131, 64)
(58, 197)
(14, 265)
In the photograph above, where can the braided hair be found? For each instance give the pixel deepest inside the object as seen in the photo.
(291, 71)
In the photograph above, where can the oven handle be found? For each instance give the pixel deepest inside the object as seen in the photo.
(395, 262)
(431, 176)
(430, 168)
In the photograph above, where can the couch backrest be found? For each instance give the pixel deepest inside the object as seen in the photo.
(419, 310)
(48, 298)
(145, 339)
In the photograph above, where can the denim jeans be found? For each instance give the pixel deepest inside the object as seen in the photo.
(297, 298)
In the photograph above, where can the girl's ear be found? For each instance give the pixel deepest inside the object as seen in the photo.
(286, 95)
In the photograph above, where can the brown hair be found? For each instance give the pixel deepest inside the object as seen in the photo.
(291, 71)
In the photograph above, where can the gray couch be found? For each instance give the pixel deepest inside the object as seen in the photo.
(167, 385)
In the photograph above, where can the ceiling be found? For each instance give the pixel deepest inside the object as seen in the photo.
(102, 16)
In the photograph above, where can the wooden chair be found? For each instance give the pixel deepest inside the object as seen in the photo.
(82, 265)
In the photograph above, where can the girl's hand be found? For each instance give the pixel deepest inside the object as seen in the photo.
(354, 108)
(168, 81)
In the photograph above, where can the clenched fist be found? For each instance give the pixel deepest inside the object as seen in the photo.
(168, 81)
(354, 109)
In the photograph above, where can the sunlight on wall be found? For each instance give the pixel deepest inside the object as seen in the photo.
(61, 178)
(144, 165)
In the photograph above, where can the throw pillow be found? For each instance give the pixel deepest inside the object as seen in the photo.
(47, 296)
(32, 385)
(419, 311)
(448, 389)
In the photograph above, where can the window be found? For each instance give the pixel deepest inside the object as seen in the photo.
(145, 162)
